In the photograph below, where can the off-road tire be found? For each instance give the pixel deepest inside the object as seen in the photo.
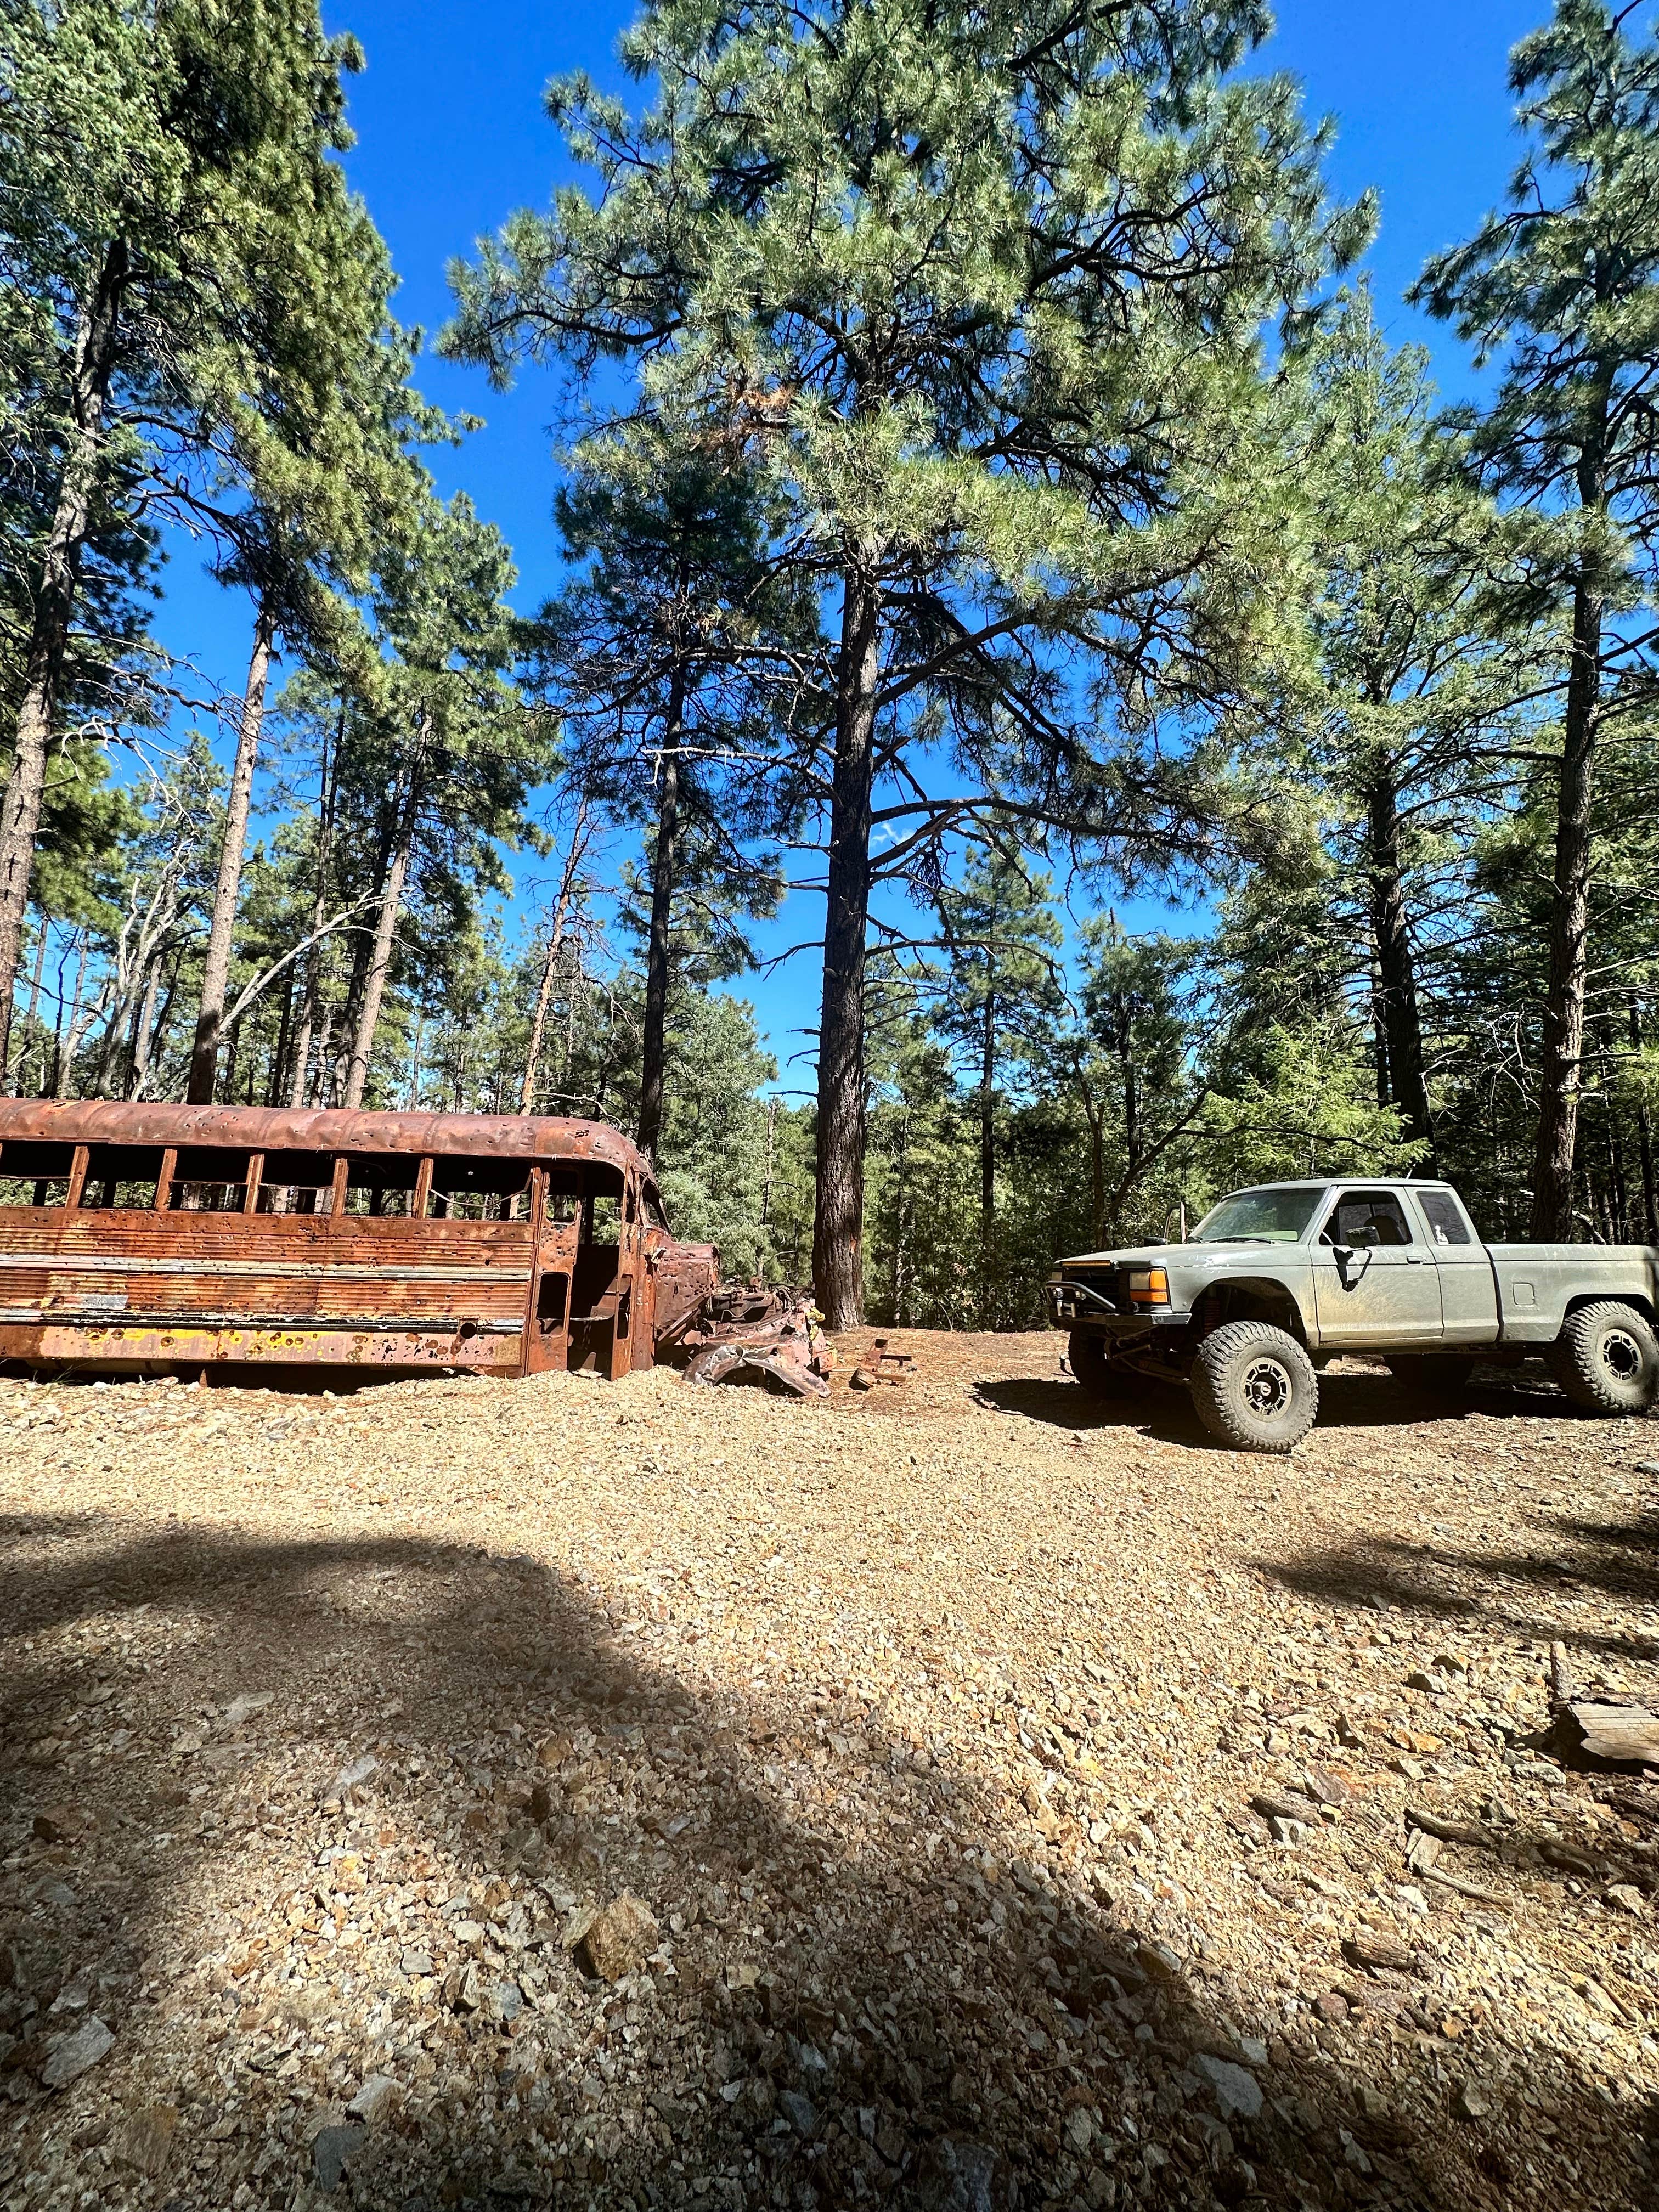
(1437, 1375)
(1607, 1359)
(1254, 1386)
(1093, 1366)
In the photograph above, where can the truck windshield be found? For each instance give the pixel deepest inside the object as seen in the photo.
(1259, 1216)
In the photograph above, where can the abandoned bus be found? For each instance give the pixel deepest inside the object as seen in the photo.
(154, 1238)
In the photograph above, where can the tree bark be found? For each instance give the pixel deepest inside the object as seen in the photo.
(549, 966)
(318, 907)
(144, 1036)
(54, 606)
(1561, 1074)
(665, 877)
(987, 1138)
(1396, 968)
(215, 971)
(386, 929)
(838, 1232)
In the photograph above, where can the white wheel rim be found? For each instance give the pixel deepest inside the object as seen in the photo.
(1267, 1389)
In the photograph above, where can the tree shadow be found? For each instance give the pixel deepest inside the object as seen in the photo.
(877, 1979)
(1614, 1556)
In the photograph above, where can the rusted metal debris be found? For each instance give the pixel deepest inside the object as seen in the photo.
(881, 1364)
(759, 1334)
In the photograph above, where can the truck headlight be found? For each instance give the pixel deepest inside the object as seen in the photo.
(1149, 1286)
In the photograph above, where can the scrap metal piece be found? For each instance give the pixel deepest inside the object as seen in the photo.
(757, 1333)
(880, 1363)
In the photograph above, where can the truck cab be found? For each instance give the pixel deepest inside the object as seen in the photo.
(1328, 1266)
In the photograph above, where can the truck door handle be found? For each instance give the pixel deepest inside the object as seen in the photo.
(1414, 1259)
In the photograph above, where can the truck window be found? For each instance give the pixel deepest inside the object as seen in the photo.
(1444, 1217)
(1259, 1216)
(1367, 1220)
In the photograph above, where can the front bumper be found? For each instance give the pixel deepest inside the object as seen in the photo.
(1101, 1304)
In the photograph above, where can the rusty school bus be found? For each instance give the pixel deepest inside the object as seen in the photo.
(155, 1236)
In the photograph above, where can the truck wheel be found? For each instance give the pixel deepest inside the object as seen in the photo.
(1254, 1386)
(1607, 1359)
(1093, 1366)
(1437, 1375)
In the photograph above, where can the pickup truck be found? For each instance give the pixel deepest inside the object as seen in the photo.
(1278, 1280)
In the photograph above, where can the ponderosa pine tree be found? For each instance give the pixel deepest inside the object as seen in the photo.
(676, 657)
(1414, 681)
(984, 286)
(320, 461)
(1001, 941)
(441, 755)
(1563, 288)
(155, 164)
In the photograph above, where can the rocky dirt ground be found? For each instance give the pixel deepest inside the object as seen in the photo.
(983, 1798)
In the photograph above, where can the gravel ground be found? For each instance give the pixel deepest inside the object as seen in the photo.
(985, 1800)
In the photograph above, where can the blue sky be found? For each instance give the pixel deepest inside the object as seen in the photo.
(451, 137)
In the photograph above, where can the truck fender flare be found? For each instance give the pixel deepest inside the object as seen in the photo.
(1634, 1299)
(1262, 1297)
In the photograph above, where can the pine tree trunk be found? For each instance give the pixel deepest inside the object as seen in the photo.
(54, 608)
(837, 1240)
(314, 958)
(1396, 968)
(664, 874)
(215, 971)
(1644, 1141)
(385, 930)
(987, 1146)
(1561, 1075)
(549, 966)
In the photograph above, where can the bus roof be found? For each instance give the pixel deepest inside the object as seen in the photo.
(526, 1137)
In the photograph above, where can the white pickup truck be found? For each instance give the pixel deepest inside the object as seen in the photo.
(1276, 1281)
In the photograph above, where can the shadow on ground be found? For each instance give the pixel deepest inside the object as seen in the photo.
(867, 2000)
(1615, 1557)
(1347, 1401)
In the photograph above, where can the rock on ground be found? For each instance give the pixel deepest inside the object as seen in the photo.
(487, 1795)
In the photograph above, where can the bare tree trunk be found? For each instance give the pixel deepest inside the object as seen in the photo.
(665, 875)
(1562, 1073)
(215, 971)
(549, 966)
(65, 1068)
(385, 930)
(315, 958)
(144, 1035)
(322, 1089)
(1396, 968)
(54, 607)
(837, 1240)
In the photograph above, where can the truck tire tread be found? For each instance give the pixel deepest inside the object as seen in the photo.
(1607, 1359)
(1222, 1370)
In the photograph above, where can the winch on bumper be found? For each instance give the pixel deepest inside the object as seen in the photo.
(1122, 1304)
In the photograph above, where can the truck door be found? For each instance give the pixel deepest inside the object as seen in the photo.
(1374, 1280)
(1469, 1289)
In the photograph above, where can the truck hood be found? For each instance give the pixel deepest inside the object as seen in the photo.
(1185, 1257)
